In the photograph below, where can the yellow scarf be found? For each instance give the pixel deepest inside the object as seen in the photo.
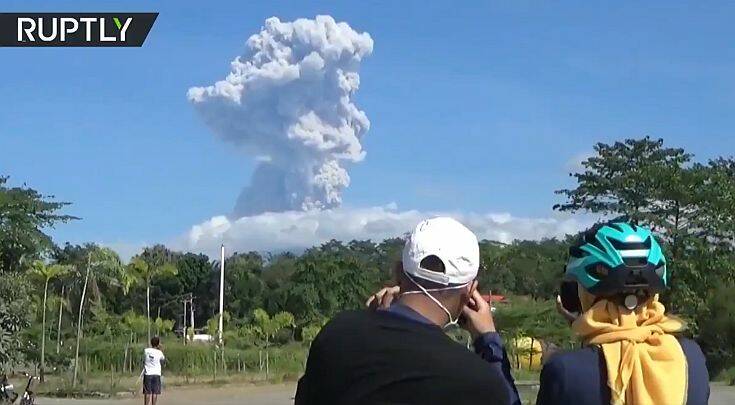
(645, 364)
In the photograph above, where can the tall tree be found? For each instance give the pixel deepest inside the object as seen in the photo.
(24, 214)
(638, 178)
(153, 262)
(266, 327)
(100, 261)
(689, 205)
(46, 273)
(244, 283)
(195, 274)
(15, 315)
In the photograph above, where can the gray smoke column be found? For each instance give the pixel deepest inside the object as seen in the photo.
(288, 102)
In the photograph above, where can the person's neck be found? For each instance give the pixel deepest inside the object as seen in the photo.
(426, 307)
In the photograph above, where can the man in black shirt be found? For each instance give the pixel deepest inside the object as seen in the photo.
(401, 355)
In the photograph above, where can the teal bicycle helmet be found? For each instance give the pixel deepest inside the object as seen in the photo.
(618, 259)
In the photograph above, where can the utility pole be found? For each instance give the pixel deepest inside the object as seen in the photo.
(183, 329)
(188, 300)
(221, 291)
(191, 308)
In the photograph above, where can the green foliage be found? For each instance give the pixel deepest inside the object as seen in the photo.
(135, 324)
(163, 326)
(45, 273)
(524, 267)
(15, 315)
(629, 177)
(717, 331)
(690, 205)
(271, 298)
(24, 214)
(332, 278)
(265, 327)
(309, 332)
(191, 359)
(213, 323)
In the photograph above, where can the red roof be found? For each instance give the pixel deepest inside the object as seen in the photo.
(494, 298)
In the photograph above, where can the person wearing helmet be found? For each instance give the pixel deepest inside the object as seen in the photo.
(632, 352)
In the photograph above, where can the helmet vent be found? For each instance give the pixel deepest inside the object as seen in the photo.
(635, 261)
(597, 271)
(645, 245)
(575, 251)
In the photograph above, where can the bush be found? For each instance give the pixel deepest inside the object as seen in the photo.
(15, 315)
(717, 330)
(194, 359)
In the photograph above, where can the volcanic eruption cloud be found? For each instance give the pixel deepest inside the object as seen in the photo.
(288, 102)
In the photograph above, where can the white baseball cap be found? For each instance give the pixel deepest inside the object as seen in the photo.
(450, 241)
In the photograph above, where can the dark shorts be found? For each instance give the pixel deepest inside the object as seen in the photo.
(152, 384)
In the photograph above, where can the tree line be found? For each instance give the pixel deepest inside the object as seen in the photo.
(54, 296)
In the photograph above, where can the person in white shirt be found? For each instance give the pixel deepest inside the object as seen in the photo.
(152, 359)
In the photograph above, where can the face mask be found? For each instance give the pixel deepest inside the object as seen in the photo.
(452, 320)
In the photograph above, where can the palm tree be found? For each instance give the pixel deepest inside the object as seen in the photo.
(139, 268)
(46, 273)
(266, 327)
(63, 302)
(103, 261)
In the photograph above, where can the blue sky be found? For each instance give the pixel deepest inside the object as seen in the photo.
(479, 108)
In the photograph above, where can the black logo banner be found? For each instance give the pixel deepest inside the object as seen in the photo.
(75, 29)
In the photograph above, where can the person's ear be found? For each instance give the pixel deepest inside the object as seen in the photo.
(472, 287)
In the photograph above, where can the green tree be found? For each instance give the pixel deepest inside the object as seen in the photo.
(690, 205)
(213, 324)
(329, 279)
(309, 333)
(266, 327)
(244, 284)
(163, 326)
(195, 275)
(15, 315)
(46, 273)
(100, 261)
(24, 214)
(718, 330)
(135, 324)
(146, 267)
(639, 178)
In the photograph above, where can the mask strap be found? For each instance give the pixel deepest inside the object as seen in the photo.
(452, 320)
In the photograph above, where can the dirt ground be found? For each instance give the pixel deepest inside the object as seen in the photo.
(269, 395)
(227, 395)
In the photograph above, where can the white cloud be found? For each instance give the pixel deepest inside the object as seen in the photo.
(296, 230)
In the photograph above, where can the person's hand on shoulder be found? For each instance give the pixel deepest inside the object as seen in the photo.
(478, 316)
(383, 298)
(565, 313)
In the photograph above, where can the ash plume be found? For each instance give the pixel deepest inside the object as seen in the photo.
(288, 102)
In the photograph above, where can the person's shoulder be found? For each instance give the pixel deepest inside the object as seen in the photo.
(345, 320)
(348, 318)
(556, 364)
(690, 347)
(695, 358)
(352, 315)
(572, 359)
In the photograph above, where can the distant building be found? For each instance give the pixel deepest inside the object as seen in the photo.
(201, 338)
